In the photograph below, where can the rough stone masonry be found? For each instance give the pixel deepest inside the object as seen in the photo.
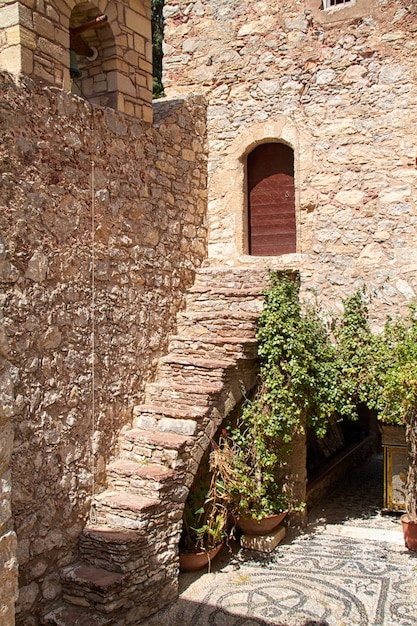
(60, 155)
(339, 87)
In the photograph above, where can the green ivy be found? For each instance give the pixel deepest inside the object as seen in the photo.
(310, 375)
(296, 363)
(296, 390)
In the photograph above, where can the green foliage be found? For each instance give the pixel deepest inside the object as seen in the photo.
(296, 390)
(358, 352)
(205, 515)
(396, 401)
(157, 41)
(296, 365)
(308, 377)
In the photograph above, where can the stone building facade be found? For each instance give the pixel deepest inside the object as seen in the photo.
(89, 182)
(338, 87)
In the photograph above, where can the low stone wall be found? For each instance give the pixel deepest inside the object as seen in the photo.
(60, 158)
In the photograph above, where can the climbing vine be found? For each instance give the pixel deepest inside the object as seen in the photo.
(312, 373)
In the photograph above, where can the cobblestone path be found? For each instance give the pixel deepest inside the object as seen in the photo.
(349, 568)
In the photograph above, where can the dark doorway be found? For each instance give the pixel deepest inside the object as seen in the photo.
(272, 229)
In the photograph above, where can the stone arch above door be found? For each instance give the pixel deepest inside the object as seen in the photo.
(228, 201)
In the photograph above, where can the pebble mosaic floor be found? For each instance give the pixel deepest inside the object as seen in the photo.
(349, 568)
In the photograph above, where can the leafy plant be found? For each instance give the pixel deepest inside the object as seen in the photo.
(310, 375)
(205, 516)
(296, 364)
(296, 390)
(396, 401)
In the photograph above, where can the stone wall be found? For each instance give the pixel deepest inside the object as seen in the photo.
(8, 544)
(340, 88)
(60, 156)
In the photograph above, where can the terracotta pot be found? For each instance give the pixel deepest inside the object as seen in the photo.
(192, 562)
(410, 532)
(264, 526)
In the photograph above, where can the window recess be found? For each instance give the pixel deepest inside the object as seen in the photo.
(328, 4)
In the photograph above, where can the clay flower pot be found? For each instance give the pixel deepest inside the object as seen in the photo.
(263, 526)
(410, 532)
(192, 562)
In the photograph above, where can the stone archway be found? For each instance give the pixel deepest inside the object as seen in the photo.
(93, 64)
(114, 55)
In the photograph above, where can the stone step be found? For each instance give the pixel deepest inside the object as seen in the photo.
(218, 325)
(124, 510)
(197, 363)
(150, 480)
(193, 371)
(212, 302)
(231, 278)
(73, 616)
(164, 407)
(147, 446)
(214, 347)
(172, 420)
(186, 395)
(92, 587)
(223, 294)
(115, 549)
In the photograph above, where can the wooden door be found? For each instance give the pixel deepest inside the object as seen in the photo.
(271, 194)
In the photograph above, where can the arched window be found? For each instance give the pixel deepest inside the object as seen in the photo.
(271, 200)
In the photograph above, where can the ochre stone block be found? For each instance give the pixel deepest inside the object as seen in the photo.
(263, 543)
(138, 23)
(10, 59)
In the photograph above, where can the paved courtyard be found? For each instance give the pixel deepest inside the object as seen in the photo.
(349, 568)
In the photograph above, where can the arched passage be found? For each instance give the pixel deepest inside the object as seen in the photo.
(93, 56)
(271, 200)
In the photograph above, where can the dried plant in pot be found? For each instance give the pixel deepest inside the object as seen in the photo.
(205, 523)
(252, 478)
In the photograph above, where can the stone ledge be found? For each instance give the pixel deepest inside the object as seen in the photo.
(263, 543)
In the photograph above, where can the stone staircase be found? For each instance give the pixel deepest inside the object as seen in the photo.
(127, 563)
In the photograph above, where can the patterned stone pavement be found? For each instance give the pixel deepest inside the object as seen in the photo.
(349, 568)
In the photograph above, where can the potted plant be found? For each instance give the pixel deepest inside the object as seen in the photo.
(250, 467)
(205, 523)
(396, 403)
